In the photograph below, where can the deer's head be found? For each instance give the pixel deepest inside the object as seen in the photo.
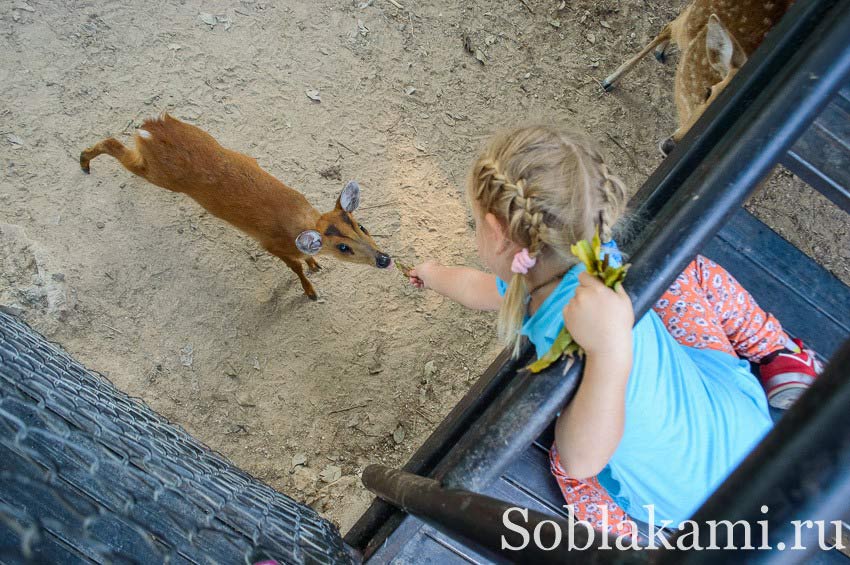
(338, 233)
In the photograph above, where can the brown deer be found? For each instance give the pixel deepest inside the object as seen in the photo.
(182, 158)
(715, 38)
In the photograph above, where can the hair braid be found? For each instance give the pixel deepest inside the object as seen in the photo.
(614, 196)
(524, 217)
(550, 188)
(611, 193)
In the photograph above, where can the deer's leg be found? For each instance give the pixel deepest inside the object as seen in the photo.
(314, 266)
(661, 38)
(298, 269)
(661, 52)
(130, 158)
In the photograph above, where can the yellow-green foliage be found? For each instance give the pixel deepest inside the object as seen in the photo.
(588, 253)
(404, 268)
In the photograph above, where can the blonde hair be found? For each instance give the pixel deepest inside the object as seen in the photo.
(551, 188)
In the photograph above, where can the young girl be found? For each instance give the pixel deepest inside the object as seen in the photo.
(666, 409)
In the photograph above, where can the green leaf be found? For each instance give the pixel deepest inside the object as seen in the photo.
(596, 245)
(613, 275)
(584, 252)
(559, 348)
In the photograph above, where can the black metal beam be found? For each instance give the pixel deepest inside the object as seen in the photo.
(478, 522)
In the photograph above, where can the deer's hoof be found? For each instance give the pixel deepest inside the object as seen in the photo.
(661, 57)
(607, 86)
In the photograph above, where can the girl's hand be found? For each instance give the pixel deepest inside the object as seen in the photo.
(422, 276)
(598, 317)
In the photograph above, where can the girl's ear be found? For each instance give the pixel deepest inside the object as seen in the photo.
(498, 228)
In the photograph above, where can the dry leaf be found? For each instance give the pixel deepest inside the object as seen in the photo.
(331, 474)
(313, 94)
(298, 459)
(208, 19)
(404, 268)
(398, 435)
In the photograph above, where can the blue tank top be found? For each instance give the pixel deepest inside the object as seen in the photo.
(691, 414)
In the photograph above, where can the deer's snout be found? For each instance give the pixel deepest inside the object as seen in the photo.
(667, 146)
(382, 260)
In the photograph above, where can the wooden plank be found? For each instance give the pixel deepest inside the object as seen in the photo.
(809, 301)
(835, 121)
(530, 474)
(845, 93)
(821, 156)
(423, 549)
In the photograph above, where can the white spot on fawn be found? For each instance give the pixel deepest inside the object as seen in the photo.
(145, 134)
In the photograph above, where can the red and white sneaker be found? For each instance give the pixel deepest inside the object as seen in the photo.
(785, 375)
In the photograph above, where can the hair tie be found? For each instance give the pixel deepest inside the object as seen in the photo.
(522, 262)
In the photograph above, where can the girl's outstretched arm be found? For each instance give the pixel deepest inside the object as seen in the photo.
(470, 287)
(590, 427)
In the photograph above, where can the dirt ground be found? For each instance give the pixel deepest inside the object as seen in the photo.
(181, 310)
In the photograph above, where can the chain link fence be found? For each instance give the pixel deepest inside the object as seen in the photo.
(88, 474)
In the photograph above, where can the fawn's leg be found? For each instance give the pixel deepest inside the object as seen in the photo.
(661, 51)
(130, 158)
(314, 266)
(662, 38)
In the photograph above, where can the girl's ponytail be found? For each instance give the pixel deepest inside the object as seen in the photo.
(512, 312)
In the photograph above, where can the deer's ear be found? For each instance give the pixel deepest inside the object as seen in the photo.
(349, 198)
(724, 53)
(309, 242)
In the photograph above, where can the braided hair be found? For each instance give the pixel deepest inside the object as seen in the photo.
(551, 189)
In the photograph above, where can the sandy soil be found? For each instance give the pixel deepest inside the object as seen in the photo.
(185, 312)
